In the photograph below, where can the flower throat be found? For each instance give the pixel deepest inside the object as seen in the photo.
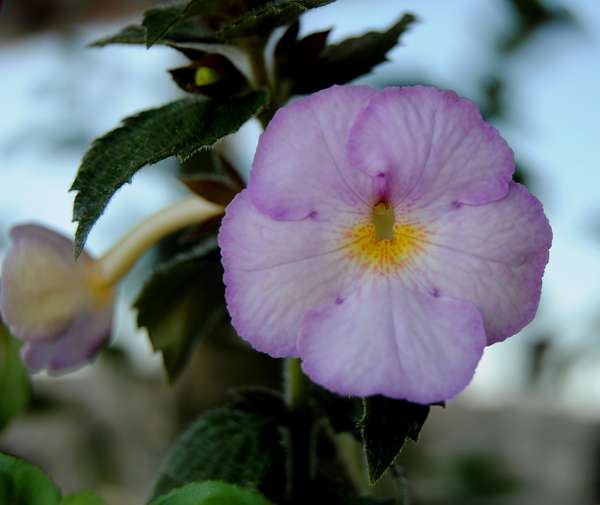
(383, 244)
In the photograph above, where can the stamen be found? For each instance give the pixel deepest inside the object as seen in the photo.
(383, 219)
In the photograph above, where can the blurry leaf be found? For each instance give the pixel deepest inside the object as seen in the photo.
(184, 32)
(182, 302)
(161, 21)
(212, 493)
(292, 56)
(481, 475)
(532, 15)
(213, 187)
(343, 62)
(211, 75)
(259, 400)
(343, 412)
(384, 427)
(158, 21)
(224, 444)
(179, 128)
(494, 106)
(131, 34)
(24, 484)
(268, 16)
(83, 498)
(331, 493)
(14, 381)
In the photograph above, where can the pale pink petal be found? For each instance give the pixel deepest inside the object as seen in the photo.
(42, 284)
(431, 147)
(275, 271)
(493, 255)
(301, 168)
(78, 345)
(387, 339)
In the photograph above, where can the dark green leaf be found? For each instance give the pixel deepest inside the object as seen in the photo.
(292, 57)
(182, 302)
(183, 32)
(351, 58)
(343, 412)
(14, 381)
(24, 484)
(180, 128)
(131, 34)
(385, 426)
(212, 493)
(161, 21)
(268, 16)
(158, 22)
(224, 444)
(83, 498)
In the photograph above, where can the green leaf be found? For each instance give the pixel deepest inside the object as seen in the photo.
(83, 498)
(182, 302)
(343, 412)
(180, 128)
(184, 32)
(385, 426)
(24, 484)
(158, 21)
(351, 58)
(267, 16)
(14, 381)
(224, 444)
(212, 493)
(161, 21)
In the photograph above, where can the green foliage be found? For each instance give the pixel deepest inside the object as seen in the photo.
(182, 302)
(343, 412)
(24, 484)
(343, 62)
(225, 444)
(14, 381)
(180, 128)
(161, 21)
(212, 493)
(83, 498)
(267, 16)
(385, 426)
(185, 31)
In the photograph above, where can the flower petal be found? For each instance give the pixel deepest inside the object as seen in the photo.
(301, 168)
(41, 283)
(277, 270)
(386, 339)
(432, 147)
(78, 345)
(493, 255)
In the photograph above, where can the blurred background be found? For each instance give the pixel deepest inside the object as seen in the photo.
(528, 428)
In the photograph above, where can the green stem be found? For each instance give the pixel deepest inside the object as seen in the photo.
(296, 384)
(255, 49)
(300, 443)
(114, 264)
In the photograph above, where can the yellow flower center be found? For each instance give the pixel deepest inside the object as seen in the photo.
(383, 245)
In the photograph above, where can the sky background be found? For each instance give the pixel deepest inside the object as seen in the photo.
(56, 96)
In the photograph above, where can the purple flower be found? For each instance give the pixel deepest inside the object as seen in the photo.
(58, 307)
(381, 240)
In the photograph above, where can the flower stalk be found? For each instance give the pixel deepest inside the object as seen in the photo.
(115, 263)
